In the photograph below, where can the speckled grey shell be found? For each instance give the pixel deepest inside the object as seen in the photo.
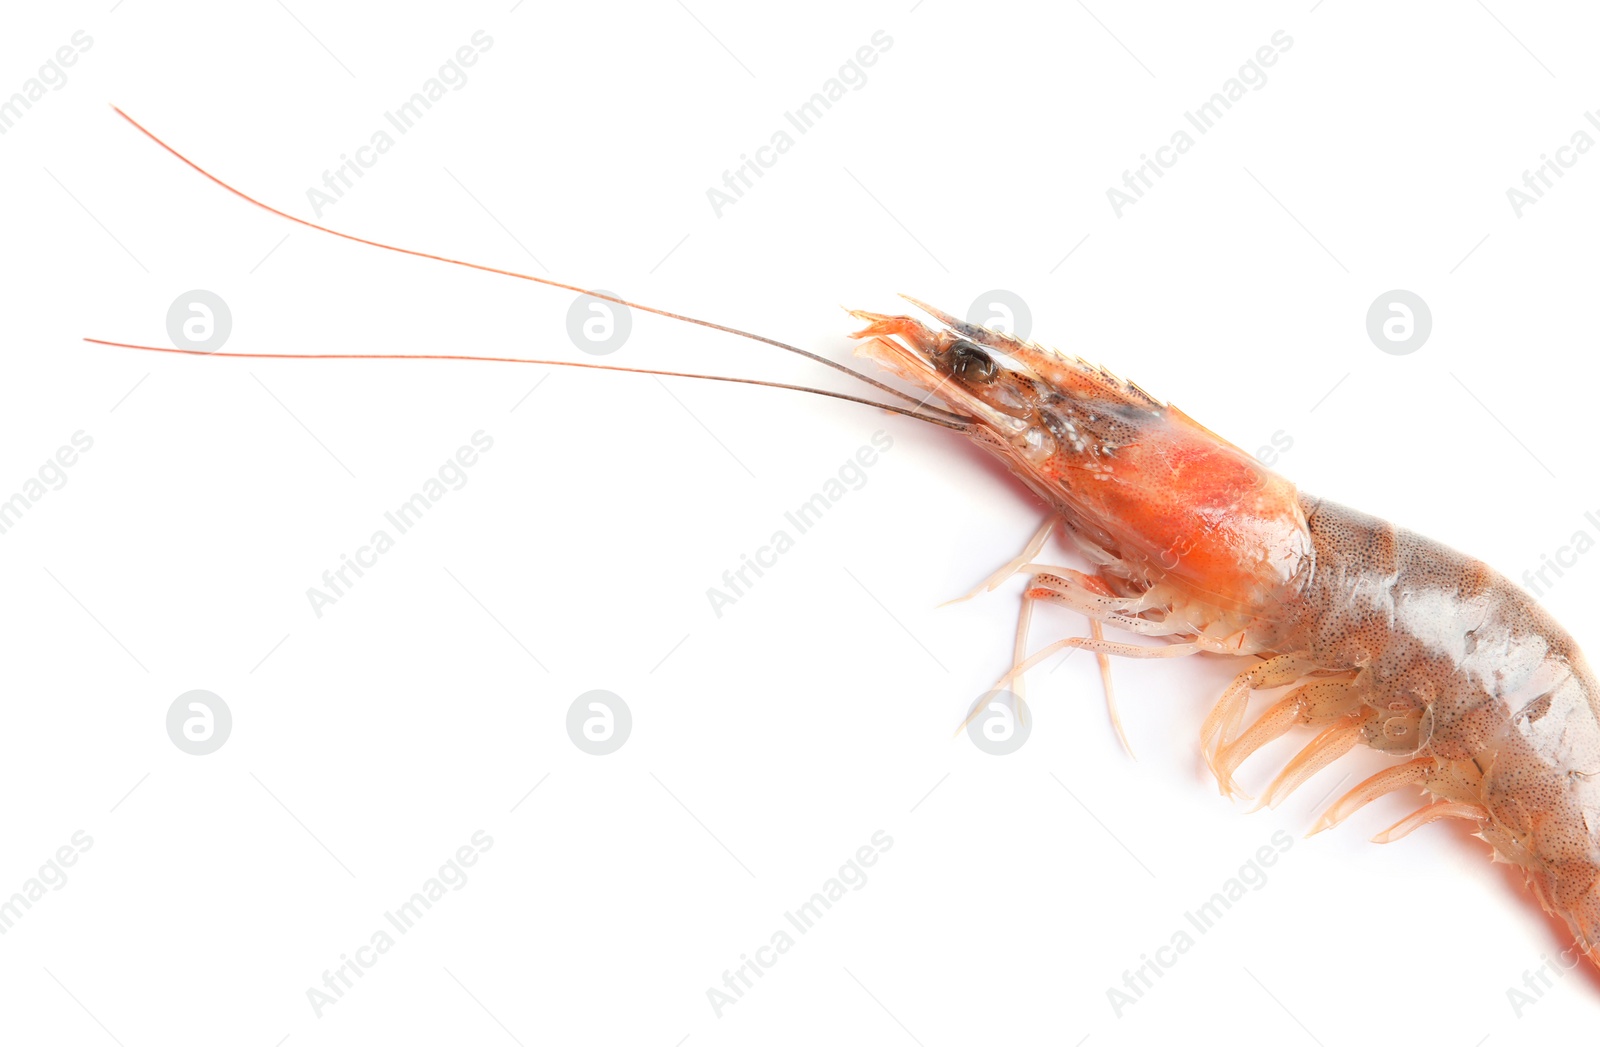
(1505, 703)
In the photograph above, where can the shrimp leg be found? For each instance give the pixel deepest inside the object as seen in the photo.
(1089, 643)
(1096, 632)
(1320, 702)
(989, 584)
(1222, 723)
(1433, 812)
(1416, 772)
(1019, 650)
(1323, 750)
(1093, 597)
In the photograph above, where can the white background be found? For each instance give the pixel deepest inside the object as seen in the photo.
(772, 742)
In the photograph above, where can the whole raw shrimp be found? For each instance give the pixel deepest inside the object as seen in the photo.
(1398, 642)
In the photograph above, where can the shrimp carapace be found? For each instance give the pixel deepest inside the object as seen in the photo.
(1149, 493)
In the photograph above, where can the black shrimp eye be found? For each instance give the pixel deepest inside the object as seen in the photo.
(970, 363)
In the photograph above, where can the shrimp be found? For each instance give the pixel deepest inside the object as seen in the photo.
(1387, 638)
(1393, 640)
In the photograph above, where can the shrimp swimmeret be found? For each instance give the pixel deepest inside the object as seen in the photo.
(1391, 640)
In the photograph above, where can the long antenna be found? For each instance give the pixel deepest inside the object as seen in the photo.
(547, 363)
(546, 281)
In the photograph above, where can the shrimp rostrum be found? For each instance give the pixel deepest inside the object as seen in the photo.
(1393, 640)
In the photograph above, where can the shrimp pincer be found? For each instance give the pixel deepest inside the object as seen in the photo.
(1387, 638)
(1395, 641)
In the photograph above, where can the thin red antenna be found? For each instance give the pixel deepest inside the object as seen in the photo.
(547, 282)
(547, 363)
